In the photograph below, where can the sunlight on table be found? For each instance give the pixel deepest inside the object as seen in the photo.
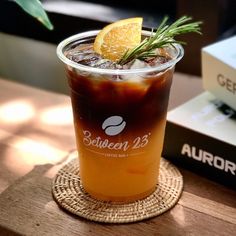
(17, 111)
(59, 115)
(179, 216)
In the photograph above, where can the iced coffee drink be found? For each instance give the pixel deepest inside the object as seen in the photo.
(119, 116)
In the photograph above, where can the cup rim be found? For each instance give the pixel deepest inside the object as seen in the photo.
(73, 38)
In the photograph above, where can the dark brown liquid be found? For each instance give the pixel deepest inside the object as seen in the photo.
(141, 104)
(123, 166)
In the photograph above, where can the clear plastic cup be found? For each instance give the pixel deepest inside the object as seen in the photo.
(119, 120)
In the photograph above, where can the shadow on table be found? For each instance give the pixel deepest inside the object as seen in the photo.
(23, 203)
(8, 232)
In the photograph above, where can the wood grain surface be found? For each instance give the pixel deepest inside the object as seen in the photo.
(36, 135)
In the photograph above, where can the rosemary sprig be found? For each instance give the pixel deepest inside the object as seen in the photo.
(161, 37)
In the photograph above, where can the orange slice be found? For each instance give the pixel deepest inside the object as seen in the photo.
(115, 39)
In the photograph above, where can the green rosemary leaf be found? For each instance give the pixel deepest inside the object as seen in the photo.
(163, 36)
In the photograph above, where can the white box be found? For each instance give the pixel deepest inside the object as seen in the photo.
(219, 70)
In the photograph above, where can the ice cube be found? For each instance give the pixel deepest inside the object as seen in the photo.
(105, 64)
(136, 64)
(83, 54)
(162, 56)
(157, 61)
(90, 59)
(84, 58)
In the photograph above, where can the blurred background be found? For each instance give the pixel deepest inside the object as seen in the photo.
(28, 50)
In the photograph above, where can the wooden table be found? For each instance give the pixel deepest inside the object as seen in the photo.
(36, 135)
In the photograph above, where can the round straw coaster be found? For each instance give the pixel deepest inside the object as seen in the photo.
(69, 194)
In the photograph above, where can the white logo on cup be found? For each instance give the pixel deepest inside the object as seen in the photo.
(113, 125)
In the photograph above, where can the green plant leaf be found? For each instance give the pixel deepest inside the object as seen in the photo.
(35, 9)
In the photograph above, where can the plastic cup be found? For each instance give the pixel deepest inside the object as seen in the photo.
(119, 120)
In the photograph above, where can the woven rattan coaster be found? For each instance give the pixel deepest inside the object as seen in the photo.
(69, 194)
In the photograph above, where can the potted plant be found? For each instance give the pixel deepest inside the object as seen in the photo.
(35, 9)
